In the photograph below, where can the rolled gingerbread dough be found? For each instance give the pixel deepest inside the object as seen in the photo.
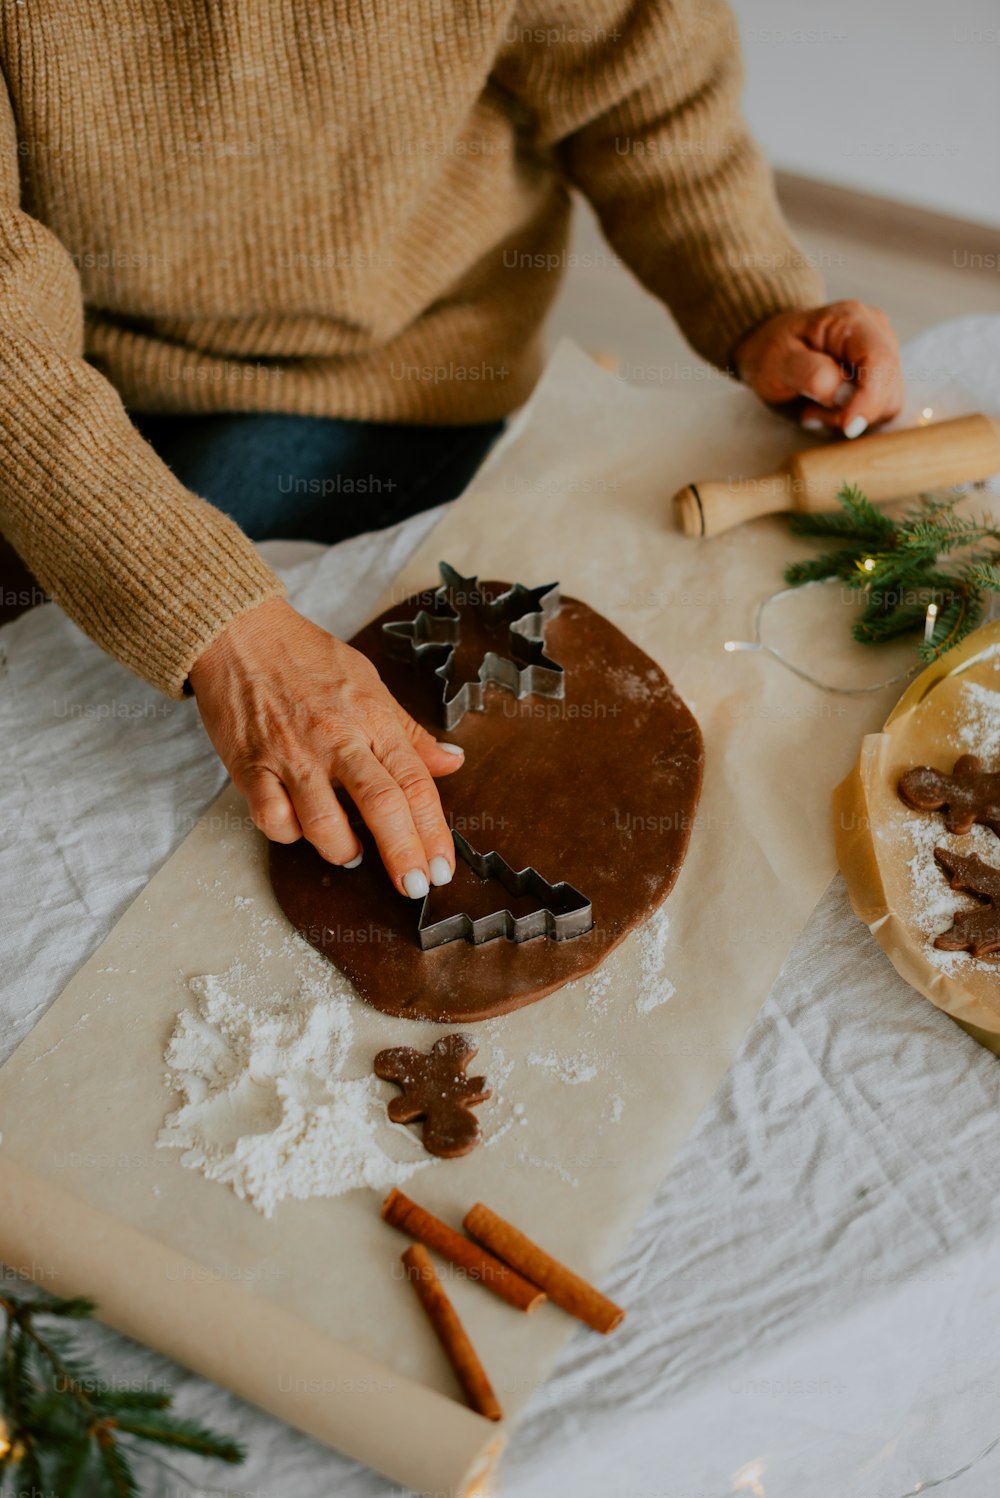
(598, 789)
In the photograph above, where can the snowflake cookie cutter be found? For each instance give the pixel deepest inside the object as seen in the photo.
(565, 912)
(431, 637)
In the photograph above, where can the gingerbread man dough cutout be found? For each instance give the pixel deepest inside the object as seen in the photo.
(435, 1088)
(968, 795)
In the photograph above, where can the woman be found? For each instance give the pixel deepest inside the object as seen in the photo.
(247, 248)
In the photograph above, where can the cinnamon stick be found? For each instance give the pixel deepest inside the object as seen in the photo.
(560, 1284)
(400, 1212)
(451, 1333)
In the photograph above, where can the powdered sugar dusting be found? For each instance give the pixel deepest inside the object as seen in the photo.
(933, 902)
(266, 1107)
(979, 732)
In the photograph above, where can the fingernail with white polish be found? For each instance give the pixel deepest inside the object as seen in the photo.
(844, 393)
(354, 862)
(415, 884)
(855, 426)
(812, 424)
(450, 748)
(440, 871)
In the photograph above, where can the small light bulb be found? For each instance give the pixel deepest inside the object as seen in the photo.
(6, 1445)
(927, 413)
(869, 564)
(929, 622)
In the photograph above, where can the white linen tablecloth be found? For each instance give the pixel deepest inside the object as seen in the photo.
(813, 1297)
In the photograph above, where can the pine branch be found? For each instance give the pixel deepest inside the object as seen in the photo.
(898, 564)
(65, 1422)
(111, 1401)
(957, 618)
(120, 1480)
(78, 1308)
(985, 575)
(28, 1474)
(876, 624)
(829, 564)
(71, 1376)
(72, 1460)
(53, 1417)
(865, 515)
(183, 1435)
(834, 525)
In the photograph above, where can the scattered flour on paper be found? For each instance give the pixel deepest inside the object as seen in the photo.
(569, 1069)
(554, 1165)
(597, 987)
(500, 1115)
(655, 987)
(266, 1108)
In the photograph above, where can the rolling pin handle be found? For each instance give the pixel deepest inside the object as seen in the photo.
(886, 465)
(689, 516)
(715, 505)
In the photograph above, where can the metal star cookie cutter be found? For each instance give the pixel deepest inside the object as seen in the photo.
(565, 913)
(526, 671)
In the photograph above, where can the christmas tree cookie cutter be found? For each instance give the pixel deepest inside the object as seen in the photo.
(565, 912)
(430, 639)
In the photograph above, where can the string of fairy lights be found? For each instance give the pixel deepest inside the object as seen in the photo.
(758, 643)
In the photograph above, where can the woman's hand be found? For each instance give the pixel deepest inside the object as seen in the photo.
(293, 712)
(812, 354)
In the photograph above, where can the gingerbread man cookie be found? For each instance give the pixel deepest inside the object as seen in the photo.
(968, 795)
(436, 1089)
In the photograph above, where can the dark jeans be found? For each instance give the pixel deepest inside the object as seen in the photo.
(316, 478)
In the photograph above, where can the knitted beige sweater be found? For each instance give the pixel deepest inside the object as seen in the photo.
(350, 209)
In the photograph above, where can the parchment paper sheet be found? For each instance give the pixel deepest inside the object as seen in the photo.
(578, 491)
(870, 822)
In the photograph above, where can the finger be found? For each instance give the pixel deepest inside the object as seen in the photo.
(819, 419)
(269, 805)
(813, 375)
(322, 817)
(386, 811)
(861, 338)
(879, 393)
(788, 368)
(414, 780)
(441, 758)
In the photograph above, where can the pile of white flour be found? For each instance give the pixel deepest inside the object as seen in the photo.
(266, 1106)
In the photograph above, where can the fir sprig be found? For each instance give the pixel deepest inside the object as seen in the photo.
(898, 566)
(62, 1425)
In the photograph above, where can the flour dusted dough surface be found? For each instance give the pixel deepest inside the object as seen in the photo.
(599, 789)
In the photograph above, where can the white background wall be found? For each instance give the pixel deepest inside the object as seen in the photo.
(895, 97)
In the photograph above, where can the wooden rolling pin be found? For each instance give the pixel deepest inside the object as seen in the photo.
(886, 466)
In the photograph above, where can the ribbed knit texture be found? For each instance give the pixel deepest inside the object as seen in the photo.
(349, 209)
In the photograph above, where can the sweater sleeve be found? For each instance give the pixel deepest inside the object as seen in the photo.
(148, 570)
(639, 102)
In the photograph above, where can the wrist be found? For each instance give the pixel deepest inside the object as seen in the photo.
(244, 636)
(738, 356)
